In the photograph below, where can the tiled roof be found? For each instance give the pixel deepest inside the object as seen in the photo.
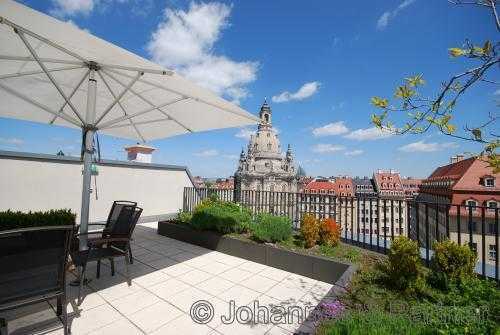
(320, 185)
(388, 179)
(452, 171)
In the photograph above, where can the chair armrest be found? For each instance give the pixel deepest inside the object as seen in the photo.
(88, 233)
(100, 241)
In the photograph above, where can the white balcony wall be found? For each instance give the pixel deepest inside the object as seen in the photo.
(42, 182)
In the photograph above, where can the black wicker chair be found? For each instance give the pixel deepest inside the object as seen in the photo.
(32, 267)
(114, 242)
(112, 217)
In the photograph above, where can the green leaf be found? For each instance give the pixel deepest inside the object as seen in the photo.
(404, 92)
(478, 51)
(456, 52)
(487, 48)
(450, 129)
(477, 134)
(379, 102)
(376, 120)
(415, 81)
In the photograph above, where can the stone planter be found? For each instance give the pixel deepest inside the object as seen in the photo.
(316, 267)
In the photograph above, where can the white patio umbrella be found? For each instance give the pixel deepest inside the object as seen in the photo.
(52, 72)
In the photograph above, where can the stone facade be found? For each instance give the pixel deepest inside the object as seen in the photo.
(264, 167)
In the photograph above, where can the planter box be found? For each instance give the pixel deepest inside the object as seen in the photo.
(316, 267)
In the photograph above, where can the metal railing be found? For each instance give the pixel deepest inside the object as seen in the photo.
(373, 222)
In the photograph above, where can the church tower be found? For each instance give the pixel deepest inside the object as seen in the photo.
(265, 115)
(265, 167)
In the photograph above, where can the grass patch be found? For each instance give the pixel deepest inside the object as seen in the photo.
(375, 307)
(370, 323)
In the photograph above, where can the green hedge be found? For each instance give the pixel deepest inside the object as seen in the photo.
(223, 217)
(451, 262)
(403, 266)
(270, 228)
(16, 220)
(371, 323)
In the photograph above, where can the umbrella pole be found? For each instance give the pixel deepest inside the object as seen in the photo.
(88, 132)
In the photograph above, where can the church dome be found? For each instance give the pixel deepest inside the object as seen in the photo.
(265, 164)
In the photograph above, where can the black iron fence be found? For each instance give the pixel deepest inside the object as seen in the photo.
(373, 222)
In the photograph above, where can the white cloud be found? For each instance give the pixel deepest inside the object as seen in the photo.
(72, 23)
(335, 128)
(66, 8)
(231, 157)
(207, 153)
(63, 8)
(245, 133)
(322, 148)
(307, 90)
(12, 141)
(354, 152)
(185, 41)
(383, 20)
(422, 146)
(368, 134)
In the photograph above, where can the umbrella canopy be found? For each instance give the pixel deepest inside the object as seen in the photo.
(44, 70)
(52, 72)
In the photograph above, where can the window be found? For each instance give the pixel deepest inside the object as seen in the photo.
(492, 228)
(471, 203)
(473, 246)
(268, 135)
(492, 252)
(489, 182)
(268, 146)
(492, 205)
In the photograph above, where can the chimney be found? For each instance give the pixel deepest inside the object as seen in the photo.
(453, 159)
(139, 153)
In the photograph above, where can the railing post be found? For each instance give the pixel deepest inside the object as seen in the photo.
(497, 228)
(483, 241)
(427, 237)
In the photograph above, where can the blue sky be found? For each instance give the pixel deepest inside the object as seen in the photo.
(317, 62)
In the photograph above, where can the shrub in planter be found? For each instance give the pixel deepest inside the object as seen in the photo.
(309, 228)
(270, 228)
(329, 232)
(207, 202)
(16, 220)
(223, 217)
(451, 262)
(403, 266)
(184, 217)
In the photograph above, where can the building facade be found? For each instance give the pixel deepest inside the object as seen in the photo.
(264, 167)
(469, 191)
(363, 187)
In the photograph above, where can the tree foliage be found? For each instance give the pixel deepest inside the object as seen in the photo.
(421, 113)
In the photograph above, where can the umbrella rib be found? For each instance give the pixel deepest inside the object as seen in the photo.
(71, 95)
(149, 102)
(136, 69)
(45, 60)
(39, 105)
(140, 123)
(18, 29)
(34, 54)
(122, 93)
(148, 110)
(187, 95)
(120, 104)
(29, 73)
